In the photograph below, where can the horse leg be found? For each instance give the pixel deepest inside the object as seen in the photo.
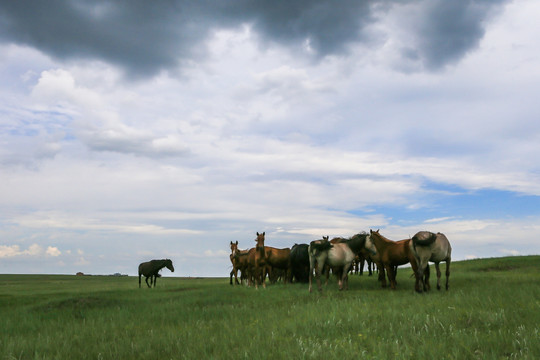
(447, 272)
(427, 287)
(326, 270)
(155, 280)
(382, 275)
(318, 271)
(140, 281)
(345, 277)
(391, 276)
(419, 274)
(146, 279)
(438, 275)
(236, 276)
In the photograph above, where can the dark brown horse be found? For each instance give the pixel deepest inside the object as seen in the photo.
(393, 254)
(151, 269)
(239, 261)
(257, 266)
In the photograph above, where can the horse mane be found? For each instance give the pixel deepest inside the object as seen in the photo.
(321, 245)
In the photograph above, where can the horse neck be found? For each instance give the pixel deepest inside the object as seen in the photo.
(381, 241)
(161, 264)
(260, 249)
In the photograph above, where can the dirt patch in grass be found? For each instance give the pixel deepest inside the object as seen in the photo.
(78, 303)
(499, 268)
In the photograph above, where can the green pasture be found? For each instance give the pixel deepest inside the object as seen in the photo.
(492, 311)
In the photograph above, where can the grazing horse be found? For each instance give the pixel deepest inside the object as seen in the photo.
(339, 256)
(257, 266)
(151, 269)
(300, 262)
(239, 261)
(393, 254)
(435, 248)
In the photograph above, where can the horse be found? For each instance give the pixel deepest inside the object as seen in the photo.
(278, 260)
(151, 269)
(299, 259)
(239, 261)
(432, 247)
(257, 266)
(339, 256)
(393, 254)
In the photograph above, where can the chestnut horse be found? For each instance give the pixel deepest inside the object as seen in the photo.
(239, 261)
(278, 259)
(150, 269)
(393, 254)
(435, 248)
(257, 262)
(339, 256)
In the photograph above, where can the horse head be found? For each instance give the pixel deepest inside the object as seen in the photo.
(234, 248)
(370, 246)
(169, 265)
(260, 240)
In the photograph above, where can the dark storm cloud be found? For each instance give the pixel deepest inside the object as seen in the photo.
(144, 37)
(447, 30)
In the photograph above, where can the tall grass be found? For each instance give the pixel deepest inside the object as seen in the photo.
(492, 310)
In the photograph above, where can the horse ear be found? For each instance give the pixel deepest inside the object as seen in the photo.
(264, 232)
(236, 242)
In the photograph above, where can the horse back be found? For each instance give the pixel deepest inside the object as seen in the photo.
(399, 252)
(340, 254)
(277, 257)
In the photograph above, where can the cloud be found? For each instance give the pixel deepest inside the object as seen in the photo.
(144, 38)
(34, 250)
(53, 251)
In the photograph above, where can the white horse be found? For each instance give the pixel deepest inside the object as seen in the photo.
(428, 246)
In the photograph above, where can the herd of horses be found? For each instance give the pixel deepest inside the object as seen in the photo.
(339, 255)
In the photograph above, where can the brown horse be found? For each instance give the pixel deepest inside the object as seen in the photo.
(151, 270)
(338, 255)
(239, 261)
(435, 248)
(257, 262)
(278, 261)
(393, 254)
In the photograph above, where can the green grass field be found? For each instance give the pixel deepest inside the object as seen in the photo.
(492, 311)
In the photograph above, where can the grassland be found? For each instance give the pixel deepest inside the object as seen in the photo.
(492, 311)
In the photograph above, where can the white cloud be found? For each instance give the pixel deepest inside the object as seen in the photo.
(53, 251)
(34, 250)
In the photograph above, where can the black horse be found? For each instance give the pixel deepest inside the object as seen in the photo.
(300, 262)
(151, 268)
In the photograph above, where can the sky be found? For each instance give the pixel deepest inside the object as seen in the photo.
(137, 130)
